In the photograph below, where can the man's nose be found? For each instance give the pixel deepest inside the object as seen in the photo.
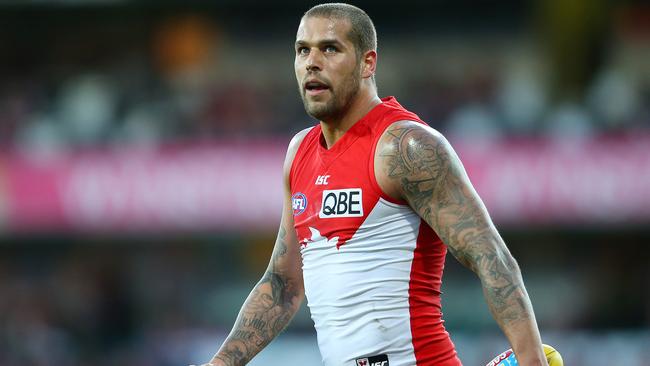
(314, 61)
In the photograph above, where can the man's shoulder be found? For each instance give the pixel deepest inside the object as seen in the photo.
(294, 144)
(411, 130)
(409, 157)
(409, 142)
(297, 139)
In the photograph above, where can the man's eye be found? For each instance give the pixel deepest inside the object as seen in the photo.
(330, 49)
(303, 50)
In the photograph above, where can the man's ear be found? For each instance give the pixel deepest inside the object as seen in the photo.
(369, 64)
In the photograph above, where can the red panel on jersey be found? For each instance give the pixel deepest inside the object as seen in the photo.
(430, 339)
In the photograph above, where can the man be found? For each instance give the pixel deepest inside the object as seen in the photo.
(371, 194)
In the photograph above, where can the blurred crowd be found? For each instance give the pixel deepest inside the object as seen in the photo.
(188, 77)
(106, 305)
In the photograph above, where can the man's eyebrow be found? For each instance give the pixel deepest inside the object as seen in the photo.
(322, 42)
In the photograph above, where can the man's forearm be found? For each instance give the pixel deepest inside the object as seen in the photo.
(266, 312)
(511, 307)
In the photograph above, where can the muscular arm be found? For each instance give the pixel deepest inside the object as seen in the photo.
(276, 297)
(417, 164)
(266, 311)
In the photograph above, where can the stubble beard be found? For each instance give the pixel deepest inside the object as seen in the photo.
(339, 102)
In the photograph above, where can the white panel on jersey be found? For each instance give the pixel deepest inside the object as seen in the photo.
(358, 294)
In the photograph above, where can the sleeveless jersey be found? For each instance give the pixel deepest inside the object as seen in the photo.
(372, 268)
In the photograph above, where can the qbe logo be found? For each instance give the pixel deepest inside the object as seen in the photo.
(298, 203)
(342, 203)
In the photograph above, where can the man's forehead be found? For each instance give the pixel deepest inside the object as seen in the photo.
(314, 28)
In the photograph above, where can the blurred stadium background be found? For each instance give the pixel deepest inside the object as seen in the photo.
(141, 145)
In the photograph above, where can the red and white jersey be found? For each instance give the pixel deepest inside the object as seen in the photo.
(372, 267)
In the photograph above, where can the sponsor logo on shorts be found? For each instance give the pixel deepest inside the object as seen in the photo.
(341, 203)
(379, 360)
(298, 203)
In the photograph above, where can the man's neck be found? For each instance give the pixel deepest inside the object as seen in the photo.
(333, 130)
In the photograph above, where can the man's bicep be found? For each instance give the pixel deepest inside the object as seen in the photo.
(425, 169)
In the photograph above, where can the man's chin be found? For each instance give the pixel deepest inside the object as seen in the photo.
(319, 111)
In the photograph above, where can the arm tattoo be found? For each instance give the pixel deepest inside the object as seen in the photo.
(266, 312)
(433, 182)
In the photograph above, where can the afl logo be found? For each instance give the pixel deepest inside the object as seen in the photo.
(299, 203)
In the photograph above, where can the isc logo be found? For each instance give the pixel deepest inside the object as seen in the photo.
(322, 180)
(341, 203)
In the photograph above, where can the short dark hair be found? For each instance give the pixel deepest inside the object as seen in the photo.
(362, 33)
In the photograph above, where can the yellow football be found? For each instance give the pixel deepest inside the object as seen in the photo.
(553, 356)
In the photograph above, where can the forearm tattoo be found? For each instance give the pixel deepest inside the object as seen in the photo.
(434, 183)
(265, 313)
